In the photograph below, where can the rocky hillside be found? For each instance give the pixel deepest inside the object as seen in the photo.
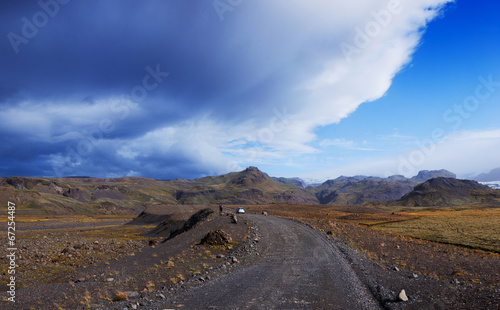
(348, 191)
(360, 189)
(53, 196)
(130, 195)
(425, 175)
(250, 186)
(493, 175)
(445, 192)
(297, 182)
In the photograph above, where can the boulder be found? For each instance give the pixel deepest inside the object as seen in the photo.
(402, 296)
(217, 237)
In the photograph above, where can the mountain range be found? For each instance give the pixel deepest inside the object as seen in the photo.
(493, 175)
(447, 192)
(84, 195)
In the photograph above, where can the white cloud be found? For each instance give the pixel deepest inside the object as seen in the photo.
(200, 141)
(327, 85)
(285, 73)
(343, 143)
(60, 120)
(464, 153)
(467, 152)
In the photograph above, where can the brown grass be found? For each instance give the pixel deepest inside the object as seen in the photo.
(355, 226)
(475, 229)
(120, 296)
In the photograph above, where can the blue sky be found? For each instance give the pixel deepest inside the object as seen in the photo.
(443, 72)
(316, 89)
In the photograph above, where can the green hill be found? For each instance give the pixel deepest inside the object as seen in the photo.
(355, 191)
(447, 192)
(250, 186)
(130, 195)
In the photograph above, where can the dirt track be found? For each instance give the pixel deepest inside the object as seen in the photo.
(298, 268)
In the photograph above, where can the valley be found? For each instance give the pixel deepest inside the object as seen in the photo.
(137, 243)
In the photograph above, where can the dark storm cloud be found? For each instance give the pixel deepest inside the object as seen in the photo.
(102, 47)
(164, 88)
(90, 47)
(95, 49)
(7, 93)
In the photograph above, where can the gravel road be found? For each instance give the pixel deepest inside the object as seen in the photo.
(298, 268)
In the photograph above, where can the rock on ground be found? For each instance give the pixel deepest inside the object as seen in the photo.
(217, 237)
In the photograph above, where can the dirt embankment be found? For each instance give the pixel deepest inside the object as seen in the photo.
(156, 214)
(65, 278)
(270, 263)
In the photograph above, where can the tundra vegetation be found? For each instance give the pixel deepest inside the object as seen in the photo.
(73, 231)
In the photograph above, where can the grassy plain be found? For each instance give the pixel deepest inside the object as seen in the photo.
(421, 241)
(471, 228)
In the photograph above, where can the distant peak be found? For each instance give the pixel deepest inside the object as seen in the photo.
(425, 175)
(252, 168)
(249, 176)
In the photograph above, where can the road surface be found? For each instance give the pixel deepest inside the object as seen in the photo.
(298, 268)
